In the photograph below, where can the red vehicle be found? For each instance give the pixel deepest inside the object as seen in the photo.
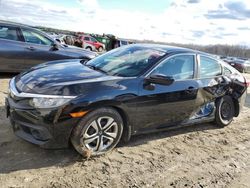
(89, 43)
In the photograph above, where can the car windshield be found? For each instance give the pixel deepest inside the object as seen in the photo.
(127, 61)
(93, 40)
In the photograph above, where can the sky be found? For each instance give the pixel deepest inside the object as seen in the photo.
(181, 21)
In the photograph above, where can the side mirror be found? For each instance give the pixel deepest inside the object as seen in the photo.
(160, 79)
(54, 47)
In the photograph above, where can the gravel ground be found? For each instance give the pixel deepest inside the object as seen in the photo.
(197, 156)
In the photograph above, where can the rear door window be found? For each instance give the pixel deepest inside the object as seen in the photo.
(227, 71)
(209, 67)
(35, 38)
(9, 33)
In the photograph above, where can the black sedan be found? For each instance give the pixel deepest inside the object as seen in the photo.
(22, 47)
(128, 91)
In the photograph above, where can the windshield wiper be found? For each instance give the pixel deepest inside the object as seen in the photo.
(100, 70)
(89, 66)
(96, 68)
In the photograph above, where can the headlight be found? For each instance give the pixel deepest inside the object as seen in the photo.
(41, 102)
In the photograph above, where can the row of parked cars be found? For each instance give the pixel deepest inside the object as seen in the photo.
(83, 41)
(92, 42)
(241, 64)
(22, 47)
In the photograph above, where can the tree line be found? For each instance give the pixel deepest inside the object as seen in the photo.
(222, 50)
(218, 49)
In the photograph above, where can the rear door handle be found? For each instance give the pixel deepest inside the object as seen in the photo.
(191, 89)
(30, 48)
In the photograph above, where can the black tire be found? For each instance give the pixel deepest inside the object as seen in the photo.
(89, 48)
(92, 127)
(100, 49)
(225, 111)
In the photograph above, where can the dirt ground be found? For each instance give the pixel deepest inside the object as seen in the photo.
(197, 156)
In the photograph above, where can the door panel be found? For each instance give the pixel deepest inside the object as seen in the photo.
(11, 50)
(166, 105)
(212, 83)
(35, 54)
(37, 49)
(11, 56)
(211, 86)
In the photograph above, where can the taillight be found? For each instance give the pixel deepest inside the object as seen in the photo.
(247, 83)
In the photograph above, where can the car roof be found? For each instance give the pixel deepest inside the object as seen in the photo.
(15, 24)
(170, 49)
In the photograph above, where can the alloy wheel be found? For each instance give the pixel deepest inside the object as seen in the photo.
(100, 134)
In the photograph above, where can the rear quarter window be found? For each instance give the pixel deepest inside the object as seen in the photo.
(226, 70)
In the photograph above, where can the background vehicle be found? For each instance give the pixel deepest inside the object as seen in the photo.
(122, 42)
(104, 39)
(69, 40)
(241, 65)
(130, 90)
(22, 47)
(58, 38)
(90, 43)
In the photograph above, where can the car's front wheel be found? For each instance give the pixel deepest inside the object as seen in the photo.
(224, 111)
(98, 132)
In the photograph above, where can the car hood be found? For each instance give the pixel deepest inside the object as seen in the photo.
(79, 52)
(56, 77)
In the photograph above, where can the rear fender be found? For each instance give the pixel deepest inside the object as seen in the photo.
(238, 92)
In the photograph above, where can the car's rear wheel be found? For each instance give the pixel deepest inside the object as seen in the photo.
(224, 111)
(98, 132)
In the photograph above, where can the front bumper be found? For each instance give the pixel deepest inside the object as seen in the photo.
(40, 127)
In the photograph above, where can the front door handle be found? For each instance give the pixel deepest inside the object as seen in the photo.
(30, 48)
(191, 88)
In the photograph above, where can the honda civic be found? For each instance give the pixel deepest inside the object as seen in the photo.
(135, 89)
